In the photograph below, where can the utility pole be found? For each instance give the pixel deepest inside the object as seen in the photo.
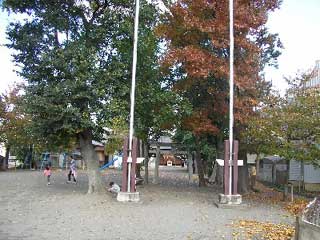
(231, 87)
(132, 195)
(230, 196)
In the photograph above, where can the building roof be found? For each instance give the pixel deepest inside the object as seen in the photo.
(273, 159)
(97, 144)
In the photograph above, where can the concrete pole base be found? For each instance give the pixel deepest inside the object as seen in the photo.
(128, 197)
(229, 201)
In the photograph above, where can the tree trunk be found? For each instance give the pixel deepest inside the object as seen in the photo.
(139, 154)
(243, 179)
(156, 166)
(138, 170)
(220, 155)
(2, 163)
(5, 162)
(205, 167)
(258, 165)
(146, 162)
(202, 182)
(194, 164)
(190, 167)
(90, 157)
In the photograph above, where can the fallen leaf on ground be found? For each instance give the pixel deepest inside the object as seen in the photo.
(297, 206)
(262, 230)
(270, 196)
(264, 194)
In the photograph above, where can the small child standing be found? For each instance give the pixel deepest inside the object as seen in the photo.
(72, 171)
(47, 173)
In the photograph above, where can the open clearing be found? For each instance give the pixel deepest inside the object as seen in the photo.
(173, 209)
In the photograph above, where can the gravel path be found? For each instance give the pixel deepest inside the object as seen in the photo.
(31, 210)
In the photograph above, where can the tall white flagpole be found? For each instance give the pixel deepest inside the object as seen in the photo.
(231, 93)
(133, 87)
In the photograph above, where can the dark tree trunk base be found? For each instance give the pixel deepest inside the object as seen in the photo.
(90, 156)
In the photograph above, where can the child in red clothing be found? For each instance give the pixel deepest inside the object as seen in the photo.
(47, 173)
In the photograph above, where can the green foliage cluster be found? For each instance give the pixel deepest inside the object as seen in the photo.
(76, 57)
(288, 126)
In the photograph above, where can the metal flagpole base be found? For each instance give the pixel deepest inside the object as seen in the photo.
(230, 201)
(128, 197)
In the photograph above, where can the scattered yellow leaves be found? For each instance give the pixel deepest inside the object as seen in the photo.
(270, 196)
(262, 230)
(297, 206)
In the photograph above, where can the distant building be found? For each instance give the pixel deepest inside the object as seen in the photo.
(300, 171)
(315, 77)
(273, 169)
(308, 174)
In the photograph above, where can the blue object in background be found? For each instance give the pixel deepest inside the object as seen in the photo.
(109, 163)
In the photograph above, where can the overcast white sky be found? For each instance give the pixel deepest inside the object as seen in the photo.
(7, 76)
(297, 22)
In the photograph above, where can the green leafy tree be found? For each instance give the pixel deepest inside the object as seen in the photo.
(301, 121)
(15, 125)
(263, 133)
(157, 107)
(66, 77)
(76, 57)
(288, 126)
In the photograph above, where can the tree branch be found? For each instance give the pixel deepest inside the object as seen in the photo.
(98, 11)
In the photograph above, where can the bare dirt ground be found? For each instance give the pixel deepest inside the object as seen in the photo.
(31, 210)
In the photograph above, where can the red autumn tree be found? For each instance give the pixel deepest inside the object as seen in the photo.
(197, 36)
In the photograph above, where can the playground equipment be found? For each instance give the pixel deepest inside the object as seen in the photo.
(109, 163)
(116, 158)
(45, 160)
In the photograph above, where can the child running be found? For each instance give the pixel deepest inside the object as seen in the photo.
(47, 173)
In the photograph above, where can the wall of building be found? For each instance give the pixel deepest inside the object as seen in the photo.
(306, 172)
(312, 187)
(273, 172)
(315, 77)
(311, 174)
(266, 172)
(294, 170)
